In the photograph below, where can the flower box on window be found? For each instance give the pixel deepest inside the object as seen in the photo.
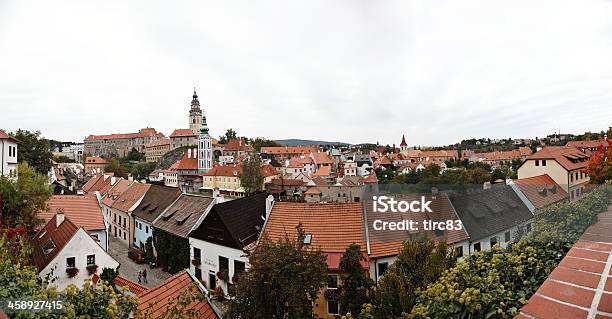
(92, 269)
(72, 271)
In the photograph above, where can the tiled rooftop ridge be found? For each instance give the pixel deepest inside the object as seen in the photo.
(581, 285)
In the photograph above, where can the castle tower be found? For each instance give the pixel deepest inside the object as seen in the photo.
(195, 114)
(205, 150)
(403, 144)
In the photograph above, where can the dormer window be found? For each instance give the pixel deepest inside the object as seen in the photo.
(308, 239)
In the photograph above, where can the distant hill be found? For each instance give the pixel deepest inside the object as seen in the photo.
(298, 142)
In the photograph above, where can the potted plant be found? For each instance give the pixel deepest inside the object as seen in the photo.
(223, 275)
(219, 293)
(72, 271)
(196, 262)
(92, 269)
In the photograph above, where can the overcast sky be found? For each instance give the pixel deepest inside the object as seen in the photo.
(353, 71)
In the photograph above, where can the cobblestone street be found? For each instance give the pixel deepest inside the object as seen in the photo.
(129, 269)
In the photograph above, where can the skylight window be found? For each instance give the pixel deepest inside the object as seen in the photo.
(308, 239)
(48, 247)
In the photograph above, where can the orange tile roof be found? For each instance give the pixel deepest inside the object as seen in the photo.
(154, 301)
(133, 287)
(182, 132)
(237, 145)
(323, 171)
(504, 155)
(440, 153)
(541, 190)
(334, 226)
(225, 170)
(188, 162)
(128, 198)
(60, 236)
(289, 149)
(268, 170)
(5, 136)
(94, 160)
(569, 157)
(313, 190)
(586, 144)
(321, 158)
(120, 186)
(581, 285)
(83, 211)
(371, 179)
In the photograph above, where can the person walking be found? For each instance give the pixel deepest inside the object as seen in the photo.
(144, 276)
(139, 277)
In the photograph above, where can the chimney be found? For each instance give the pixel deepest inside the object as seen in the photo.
(59, 217)
(188, 153)
(269, 205)
(486, 185)
(195, 153)
(113, 180)
(217, 196)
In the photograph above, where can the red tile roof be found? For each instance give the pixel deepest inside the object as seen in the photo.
(128, 198)
(441, 153)
(505, 155)
(569, 157)
(133, 287)
(83, 211)
(541, 190)
(237, 145)
(5, 136)
(289, 150)
(323, 171)
(145, 132)
(188, 162)
(50, 234)
(334, 226)
(155, 301)
(581, 285)
(321, 158)
(120, 186)
(94, 160)
(182, 132)
(586, 144)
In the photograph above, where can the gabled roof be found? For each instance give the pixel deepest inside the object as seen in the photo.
(155, 201)
(155, 301)
(321, 158)
(83, 211)
(568, 157)
(541, 190)
(225, 170)
(6, 136)
(180, 217)
(111, 196)
(127, 199)
(133, 287)
(91, 182)
(486, 212)
(242, 219)
(334, 226)
(586, 143)
(323, 171)
(50, 240)
(188, 161)
(237, 145)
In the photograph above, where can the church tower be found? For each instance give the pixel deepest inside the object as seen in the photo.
(195, 114)
(205, 151)
(403, 145)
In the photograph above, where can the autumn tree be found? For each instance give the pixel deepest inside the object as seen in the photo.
(599, 168)
(23, 198)
(34, 150)
(251, 178)
(355, 280)
(418, 264)
(284, 280)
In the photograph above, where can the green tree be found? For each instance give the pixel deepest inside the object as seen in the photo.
(599, 168)
(63, 159)
(148, 251)
(478, 175)
(284, 279)
(109, 275)
(114, 166)
(135, 155)
(230, 134)
(418, 264)
(34, 150)
(251, 179)
(259, 142)
(142, 170)
(24, 198)
(355, 280)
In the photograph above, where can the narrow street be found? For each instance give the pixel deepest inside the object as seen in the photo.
(129, 269)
